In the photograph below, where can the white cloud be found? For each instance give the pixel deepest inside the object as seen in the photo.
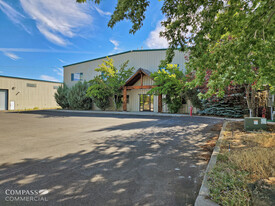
(59, 19)
(154, 41)
(34, 50)
(52, 36)
(62, 61)
(101, 12)
(11, 55)
(115, 43)
(48, 78)
(12, 14)
(59, 71)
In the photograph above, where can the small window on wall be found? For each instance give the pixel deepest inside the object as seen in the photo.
(31, 85)
(76, 76)
(103, 77)
(55, 87)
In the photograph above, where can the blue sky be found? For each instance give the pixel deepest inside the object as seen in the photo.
(38, 37)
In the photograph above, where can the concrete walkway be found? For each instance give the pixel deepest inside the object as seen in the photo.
(146, 114)
(152, 114)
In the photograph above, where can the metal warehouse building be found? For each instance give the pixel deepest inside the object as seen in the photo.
(136, 87)
(21, 93)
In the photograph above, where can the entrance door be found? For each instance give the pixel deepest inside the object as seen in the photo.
(3, 99)
(146, 102)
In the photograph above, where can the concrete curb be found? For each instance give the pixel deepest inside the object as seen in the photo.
(202, 199)
(142, 114)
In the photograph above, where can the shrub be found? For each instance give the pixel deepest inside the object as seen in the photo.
(233, 104)
(61, 96)
(77, 97)
(100, 92)
(174, 103)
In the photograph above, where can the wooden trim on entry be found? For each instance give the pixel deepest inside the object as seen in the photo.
(124, 99)
(140, 71)
(140, 87)
(160, 103)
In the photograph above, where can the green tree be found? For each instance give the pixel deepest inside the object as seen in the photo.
(170, 82)
(115, 78)
(100, 93)
(233, 38)
(109, 83)
(77, 96)
(61, 96)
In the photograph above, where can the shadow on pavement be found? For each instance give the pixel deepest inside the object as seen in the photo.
(154, 168)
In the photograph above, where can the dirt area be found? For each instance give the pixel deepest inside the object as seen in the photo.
(245, 170)
(210, 143)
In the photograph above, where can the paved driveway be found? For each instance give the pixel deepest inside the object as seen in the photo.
(101, 159)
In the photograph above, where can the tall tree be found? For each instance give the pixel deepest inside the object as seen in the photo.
(115, 78)
(109, 83)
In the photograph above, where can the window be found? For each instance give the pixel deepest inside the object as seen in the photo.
(103, 76)
(76, 76)
(55, 87)
(31, 85)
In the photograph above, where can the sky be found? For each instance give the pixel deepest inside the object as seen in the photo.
(38, 37)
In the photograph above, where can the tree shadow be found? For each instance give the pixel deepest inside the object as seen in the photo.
(64, 114)
(184, 122)
(153, 121)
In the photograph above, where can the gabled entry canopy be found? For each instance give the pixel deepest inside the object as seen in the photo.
(129, 84)
(137, 76)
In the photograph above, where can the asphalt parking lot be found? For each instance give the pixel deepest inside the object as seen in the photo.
(102, 159)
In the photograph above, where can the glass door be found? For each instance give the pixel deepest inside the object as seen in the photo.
(146, 102)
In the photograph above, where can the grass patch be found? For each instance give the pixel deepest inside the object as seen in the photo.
(244, 175)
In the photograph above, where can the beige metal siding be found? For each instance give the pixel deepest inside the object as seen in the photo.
(149, 60)
(156, 103)
(146, 81)
(24, 97)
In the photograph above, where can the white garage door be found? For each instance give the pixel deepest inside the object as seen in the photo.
(3, 99)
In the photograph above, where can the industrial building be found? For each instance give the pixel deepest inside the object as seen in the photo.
(136, 87)
(21, 93)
